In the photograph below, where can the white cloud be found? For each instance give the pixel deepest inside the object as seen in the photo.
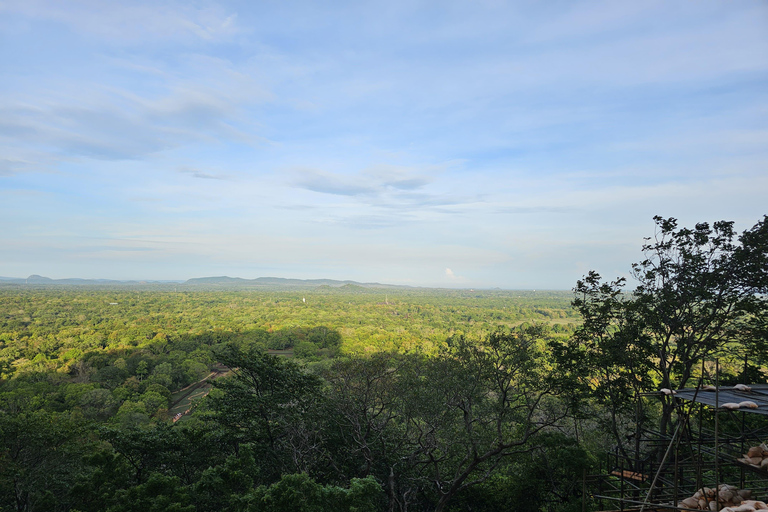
(453, 278)
(202, 103)
(373, 181)
(136, 22)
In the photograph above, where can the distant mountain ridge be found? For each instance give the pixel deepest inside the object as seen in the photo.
(213, 282)
(282, 282)
(42, 280)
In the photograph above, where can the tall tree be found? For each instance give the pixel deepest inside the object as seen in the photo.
(270, 402)
(752, 261)
(363, 394)
(474, 405)
(429, 428)
(696, 290)
(40, 459)
(609, 357)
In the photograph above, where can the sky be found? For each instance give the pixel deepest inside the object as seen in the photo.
(450, 144)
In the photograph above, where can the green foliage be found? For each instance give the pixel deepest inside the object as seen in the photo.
(39, 454)
(225, 486)
(453, 417)
(98, 404)
(305, 350)
(299, 493)
(699, 291)
(267, 402)
(64, 325)
(87, 386)
(159, 493)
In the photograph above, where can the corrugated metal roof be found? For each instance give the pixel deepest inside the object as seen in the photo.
(727, 394)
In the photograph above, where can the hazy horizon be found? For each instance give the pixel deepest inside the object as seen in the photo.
(488, 144)
(368, 283)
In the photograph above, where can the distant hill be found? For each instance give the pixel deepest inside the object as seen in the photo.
(37, 280)
(280, 282)
(199, 282)
(229, 283)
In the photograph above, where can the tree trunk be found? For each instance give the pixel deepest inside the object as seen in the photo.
(392, 498)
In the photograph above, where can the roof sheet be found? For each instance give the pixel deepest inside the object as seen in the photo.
(727, 394)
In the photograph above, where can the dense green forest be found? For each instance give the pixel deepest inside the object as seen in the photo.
(98, 362)
(194, 398)
(54, 328)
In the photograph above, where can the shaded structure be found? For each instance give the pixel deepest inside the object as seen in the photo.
(715, 429)
(757, 393)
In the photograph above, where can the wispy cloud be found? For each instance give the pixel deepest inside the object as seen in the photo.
(536, 209)
(11, 166)
(398, 178)
(375, 222)
(373, 181)
(383, 196)
(197, 173)
(325, 182)
(111, 123)
(133, 22)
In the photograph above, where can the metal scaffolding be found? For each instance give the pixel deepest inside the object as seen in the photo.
(715, 427)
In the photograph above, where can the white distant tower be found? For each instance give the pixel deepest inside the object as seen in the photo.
(304, 299)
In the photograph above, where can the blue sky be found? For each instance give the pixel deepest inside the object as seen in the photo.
(456, 144)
